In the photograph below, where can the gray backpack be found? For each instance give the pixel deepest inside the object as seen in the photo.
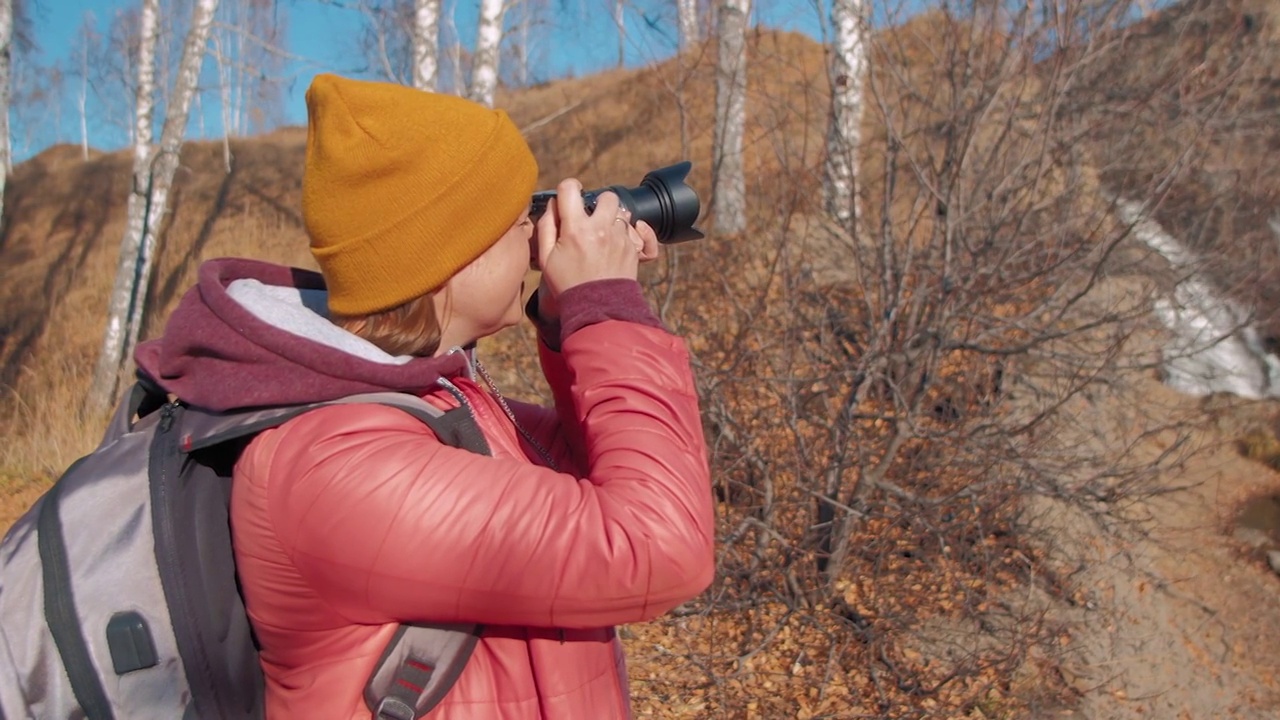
(118, 592)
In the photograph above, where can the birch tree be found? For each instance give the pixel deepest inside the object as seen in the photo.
(457, 63)
(426, 43)
(524, 36)
(115, 73)
(29, 92)
(87, 48)
(228, 55)
(247, 49)
(620, 20)
(848, 65)
(402, 39)
(690, 33)
(729, 187)
(6, 52)
(111, 358)
(484, 68)
(227, 94)
(148, 199)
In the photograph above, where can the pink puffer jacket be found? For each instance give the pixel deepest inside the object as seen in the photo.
(349, 520)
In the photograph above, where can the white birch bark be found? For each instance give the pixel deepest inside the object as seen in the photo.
(525, 37)
(453, 50)
(426, 43)
(165, 165)
(6, 58)
(690, 33)
(240, 74)
(152, 197)
(620, 19)
(484, 68)
(455, 53)
(82, 97)
(224, 95)
(111, 359)
(729, 185)
(844, 129)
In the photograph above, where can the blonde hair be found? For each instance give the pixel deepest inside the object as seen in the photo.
(408, 329)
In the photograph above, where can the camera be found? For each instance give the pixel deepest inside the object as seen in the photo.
(662, 199)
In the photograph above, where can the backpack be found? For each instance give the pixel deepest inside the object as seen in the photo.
(118, 592)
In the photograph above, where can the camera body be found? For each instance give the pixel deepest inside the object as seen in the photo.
(662, 199)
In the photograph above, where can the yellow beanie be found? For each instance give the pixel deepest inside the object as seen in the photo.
(404, 188)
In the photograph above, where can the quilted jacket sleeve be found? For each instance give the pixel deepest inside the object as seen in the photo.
(581, 306)
(388, 524)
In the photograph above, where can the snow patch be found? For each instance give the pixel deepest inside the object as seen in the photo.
(1215, 347)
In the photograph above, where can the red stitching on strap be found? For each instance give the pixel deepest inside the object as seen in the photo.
(415, 688)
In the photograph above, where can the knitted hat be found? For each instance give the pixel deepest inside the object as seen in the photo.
(404, 188)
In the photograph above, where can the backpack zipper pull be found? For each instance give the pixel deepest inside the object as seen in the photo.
(166, 416)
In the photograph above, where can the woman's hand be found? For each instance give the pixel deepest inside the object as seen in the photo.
(575, 248)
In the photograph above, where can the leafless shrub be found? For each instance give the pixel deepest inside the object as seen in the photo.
(892, 411)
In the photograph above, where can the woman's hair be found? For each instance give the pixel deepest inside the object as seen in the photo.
(408, 329)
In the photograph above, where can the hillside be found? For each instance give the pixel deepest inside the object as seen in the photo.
(1194, 90)
(1036, 527)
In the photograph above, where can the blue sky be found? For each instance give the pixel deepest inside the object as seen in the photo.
(580, 39)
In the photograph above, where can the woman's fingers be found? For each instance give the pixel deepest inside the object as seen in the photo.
(547, 232)
(646, 241)
(586, 247)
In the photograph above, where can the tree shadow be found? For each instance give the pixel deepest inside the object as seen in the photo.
(285, 211)
(86, 205)
(160, 298)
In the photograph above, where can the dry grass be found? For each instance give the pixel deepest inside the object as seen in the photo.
(66, 217)
(1262, 446)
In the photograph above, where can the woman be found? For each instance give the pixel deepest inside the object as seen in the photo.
(350, 520)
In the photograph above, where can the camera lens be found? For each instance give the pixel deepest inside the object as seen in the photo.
(662, 199)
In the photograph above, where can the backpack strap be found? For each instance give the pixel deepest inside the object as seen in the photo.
(61, 615)
(418, 668)
(60, 612)
(143, 398)
(456, 427)
(421, 662)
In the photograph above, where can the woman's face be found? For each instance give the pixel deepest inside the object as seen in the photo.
(487, 295)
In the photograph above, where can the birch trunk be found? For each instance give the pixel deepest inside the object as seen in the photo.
(526, 22)
(147, 206)
(166, 162)
(6, 55)
(111, 359)
(690, 34)
(455, 53)
(484, 68)
(844, 131)
(224, 94)
(729, 185)
(426, 37)
(82, 99)
(619, 19)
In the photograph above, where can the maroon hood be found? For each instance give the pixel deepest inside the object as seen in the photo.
(218, 355)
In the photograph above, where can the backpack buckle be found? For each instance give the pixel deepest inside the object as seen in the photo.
(393, 708)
